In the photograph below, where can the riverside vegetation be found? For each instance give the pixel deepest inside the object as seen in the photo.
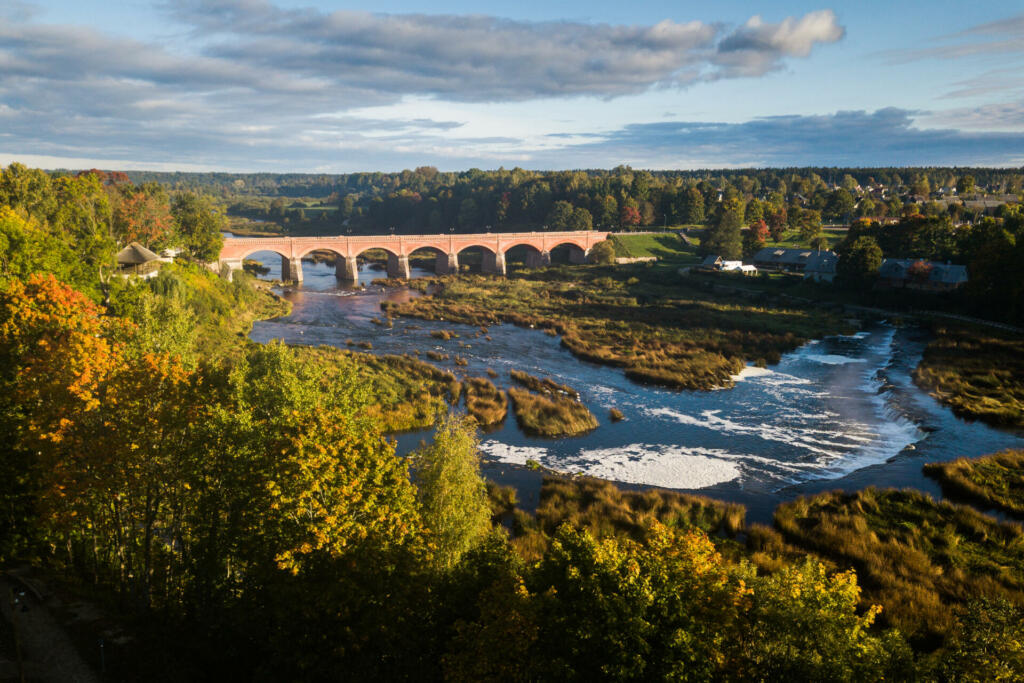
(995, 481)
(980, 375)
(241, 515)
(547, 408)
(644, 320)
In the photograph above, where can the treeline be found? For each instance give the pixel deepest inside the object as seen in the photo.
(79, 221)
(428, 200)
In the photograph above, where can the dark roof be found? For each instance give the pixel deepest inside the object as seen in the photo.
(711, 260)
(822, 262)
(780, 256)
(946, 273)
(135, 254)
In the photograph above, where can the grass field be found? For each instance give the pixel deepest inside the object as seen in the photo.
(667, 247)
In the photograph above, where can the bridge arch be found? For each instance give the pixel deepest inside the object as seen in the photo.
(575, 252)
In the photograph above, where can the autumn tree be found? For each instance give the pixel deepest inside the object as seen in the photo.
(754, 237)
(142, 214)
(777, 223)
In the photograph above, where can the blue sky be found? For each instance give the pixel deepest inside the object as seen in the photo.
(285, 85)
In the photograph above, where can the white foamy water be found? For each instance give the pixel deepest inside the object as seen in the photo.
(751, 371)
(831, 359)
(650, 464)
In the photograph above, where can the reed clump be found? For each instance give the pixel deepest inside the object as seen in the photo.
(484, 401)
(919, 558)
(608, 511)
(541, 415)
(980, 375)
(995, 481)
(545, 386)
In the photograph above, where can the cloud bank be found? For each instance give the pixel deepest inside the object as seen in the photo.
(247, 81)
(887, 137)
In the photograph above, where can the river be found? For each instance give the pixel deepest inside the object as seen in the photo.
(837, 413)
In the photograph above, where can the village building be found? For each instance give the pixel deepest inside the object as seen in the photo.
(821, 266)
(919, 274)
(783, 260)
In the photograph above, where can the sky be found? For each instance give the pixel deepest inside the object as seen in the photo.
(333, 87)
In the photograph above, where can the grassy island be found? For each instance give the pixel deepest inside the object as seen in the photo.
(542, 415)
(980, 375)
(484, 401)
(995, 481)
(659, 327)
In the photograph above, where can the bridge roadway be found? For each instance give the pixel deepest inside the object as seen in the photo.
(399, 247)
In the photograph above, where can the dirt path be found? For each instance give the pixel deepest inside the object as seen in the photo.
(48, 653)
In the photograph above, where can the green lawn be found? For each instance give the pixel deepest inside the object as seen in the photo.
(666, 247)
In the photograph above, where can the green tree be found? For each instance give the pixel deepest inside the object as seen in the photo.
(200, 226)
(724, 238)
(560, 216)
(469, 214)
(965, 185)
(693, 207)
(987, 644)
(581, 220)
(859, 261)
(452, 493)
(603, 253)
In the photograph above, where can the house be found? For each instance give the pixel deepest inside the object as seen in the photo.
(821, 266)
(135, 259)
(712, 262)
(783, 260)
(919, 274)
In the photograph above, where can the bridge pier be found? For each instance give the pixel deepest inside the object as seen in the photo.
(228, 266)
(577, 255)
(346, 269)
(493, 263)
(538, 259)
(446, 264)
(291, 269)
(398, 266)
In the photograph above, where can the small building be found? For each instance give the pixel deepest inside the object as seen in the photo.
(919, 274)
(821, 266)
(135, 259)
(783, 260)
(712, 262)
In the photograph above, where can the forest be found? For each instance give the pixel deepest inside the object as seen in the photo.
(238, 512)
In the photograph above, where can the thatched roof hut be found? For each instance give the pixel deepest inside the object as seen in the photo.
(135, 258)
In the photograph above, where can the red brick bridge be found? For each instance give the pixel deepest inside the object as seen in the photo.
(400, 247)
